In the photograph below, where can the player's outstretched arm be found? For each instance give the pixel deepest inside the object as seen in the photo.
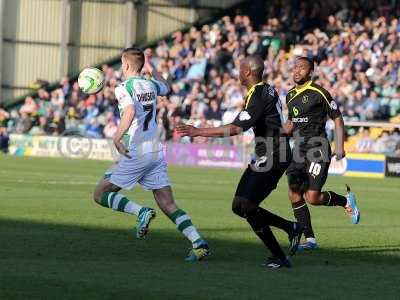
(288, 127)
(222, 131)
(246, 119)
(126, 121)
(339, 138)
(149, 68)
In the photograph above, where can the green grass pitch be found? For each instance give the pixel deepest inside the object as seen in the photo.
(56, 243)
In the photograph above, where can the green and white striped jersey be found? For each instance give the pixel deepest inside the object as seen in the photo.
(142, 94)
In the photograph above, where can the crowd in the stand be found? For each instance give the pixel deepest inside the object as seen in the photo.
(356, 50)
(387, 142)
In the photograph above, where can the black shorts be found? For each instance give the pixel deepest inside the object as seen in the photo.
(256, 186)
(310, 175)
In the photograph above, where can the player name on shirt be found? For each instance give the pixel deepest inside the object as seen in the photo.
(146, 98)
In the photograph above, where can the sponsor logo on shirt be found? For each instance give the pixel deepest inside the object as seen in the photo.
(333, 105)
(300, 120)
(295, 111)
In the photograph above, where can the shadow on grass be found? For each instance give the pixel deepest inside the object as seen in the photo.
(68, 261)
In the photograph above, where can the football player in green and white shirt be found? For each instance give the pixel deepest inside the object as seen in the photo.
(142, 159)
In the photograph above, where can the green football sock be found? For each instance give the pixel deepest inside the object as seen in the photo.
(184, 224)
(119, 202)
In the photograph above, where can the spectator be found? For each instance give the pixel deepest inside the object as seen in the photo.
(42, 127)
(213, 112)
(4, 118)
(56, 123)
(385, 143)
(365, 144)
(29, 107)
(93, 129)
(4, 140)
(24, 123)
(371, 106)
(110, 129)
(111, 126)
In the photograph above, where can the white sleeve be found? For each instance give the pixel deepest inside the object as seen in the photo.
(123, 97)
(162, 88)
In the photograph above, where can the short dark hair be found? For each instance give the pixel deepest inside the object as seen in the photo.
(135, 57)
(256, 65)
(310, 61)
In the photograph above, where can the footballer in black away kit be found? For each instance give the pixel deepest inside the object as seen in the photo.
(309, 106)
(262, 112)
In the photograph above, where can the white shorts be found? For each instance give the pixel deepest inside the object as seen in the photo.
(149, 170)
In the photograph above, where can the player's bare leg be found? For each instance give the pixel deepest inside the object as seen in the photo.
(166, 202)
(104, 186)
(107, 194)
(302, 215)
(329, 198)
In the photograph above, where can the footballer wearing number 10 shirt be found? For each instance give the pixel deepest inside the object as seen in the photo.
(309, 106)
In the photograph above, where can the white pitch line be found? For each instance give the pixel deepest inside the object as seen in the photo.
(42, 173)
(50, 182)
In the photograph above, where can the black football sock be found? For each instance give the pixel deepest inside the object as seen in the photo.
(275, 220)
(302, 215)
(333, 199)
(264, 232)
